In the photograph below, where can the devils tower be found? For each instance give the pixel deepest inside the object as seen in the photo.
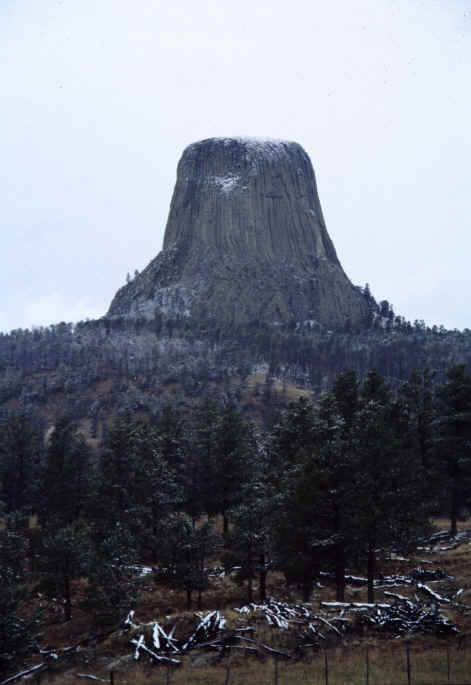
(245, 242)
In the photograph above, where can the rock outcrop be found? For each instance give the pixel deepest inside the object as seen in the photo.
(245, 241)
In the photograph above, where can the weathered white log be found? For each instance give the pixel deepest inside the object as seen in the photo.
(403, 598)
(34, 669)
(90, 677)
(356, 605)
(431, 593)
(276, 652)
(329, 625)
(140, 645)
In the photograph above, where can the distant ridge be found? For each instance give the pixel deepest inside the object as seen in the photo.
(245, 242)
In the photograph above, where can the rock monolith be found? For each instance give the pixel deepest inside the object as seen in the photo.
(245, 242)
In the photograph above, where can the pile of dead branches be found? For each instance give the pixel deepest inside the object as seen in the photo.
(394, 580)
(403, 616)
(210, 633)
(164, 645)
(443, 541)
(407, 617)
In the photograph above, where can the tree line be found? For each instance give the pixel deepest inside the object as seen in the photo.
(329, 486)
(138, 360)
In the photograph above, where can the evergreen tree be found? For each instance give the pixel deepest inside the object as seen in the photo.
(21, 448)
(454, 438)
(201, 467)
(391, 511)
(115, 501)
(319, 496)
(172, 440)
(65, 479)
(234, 455)
(247, 544)
(136, 487)
(155, 493)
(335, 463)
(298, 540)
(418, 397)
(292, 437)
(183, 556)
(346, 393)
(113, 588)
(19, 628)
(63, 556)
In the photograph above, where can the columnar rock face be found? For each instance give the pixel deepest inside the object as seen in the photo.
(245, 241)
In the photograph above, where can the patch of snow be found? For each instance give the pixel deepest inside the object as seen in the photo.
(171, 301)
(260, 369)
(226, 183)
(129, 620)
(256, 140)
(141, 570)
(267, 148)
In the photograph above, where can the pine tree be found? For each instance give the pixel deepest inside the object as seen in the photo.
(234, 456)
(391, 511)
(19, 629)
(183, 556)
(201, 467)
(115, 501)
(155, 493)
(419, 400)
(454, 438)
(334, 459)
(315, 529)
(298, 540)
(171, 439)
(248, 543)
(64, 556)
(136, 487)
(292, 437)
(113, 588)
(21, 449)
(65, 479)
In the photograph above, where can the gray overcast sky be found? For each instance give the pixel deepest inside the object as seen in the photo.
(99, 98)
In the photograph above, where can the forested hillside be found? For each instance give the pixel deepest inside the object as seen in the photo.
(92, 369)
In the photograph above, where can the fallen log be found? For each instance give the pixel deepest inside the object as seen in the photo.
(29, 671)
(434, 595)
(276, 652)
(336, 630)
(357, 605)
(141, 645)
(90, 677)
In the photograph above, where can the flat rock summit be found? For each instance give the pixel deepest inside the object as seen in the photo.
(245, 242)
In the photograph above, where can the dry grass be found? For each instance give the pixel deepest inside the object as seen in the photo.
(444, 524)
(346, 666)
(291, 392)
